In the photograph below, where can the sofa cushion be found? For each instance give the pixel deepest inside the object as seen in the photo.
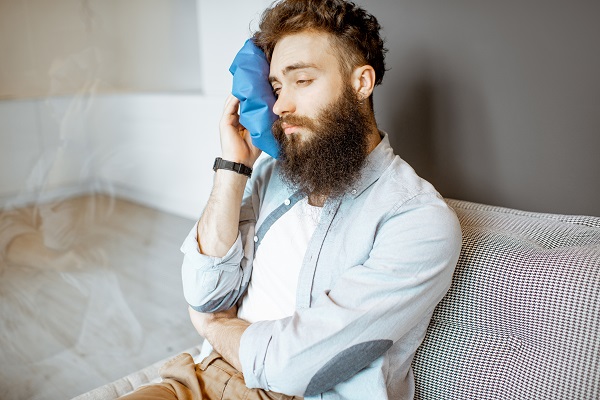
(522, 316)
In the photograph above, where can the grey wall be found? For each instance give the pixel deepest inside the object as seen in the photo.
(496, 101)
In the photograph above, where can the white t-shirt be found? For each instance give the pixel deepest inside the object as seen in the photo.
(271, 294)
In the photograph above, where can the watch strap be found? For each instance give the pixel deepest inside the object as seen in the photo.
(232, 166)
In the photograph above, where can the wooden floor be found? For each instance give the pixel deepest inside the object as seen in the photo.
(90, 290)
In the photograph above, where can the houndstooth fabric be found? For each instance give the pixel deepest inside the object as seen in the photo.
(522, 317)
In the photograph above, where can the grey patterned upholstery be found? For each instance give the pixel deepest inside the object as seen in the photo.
(522, 317)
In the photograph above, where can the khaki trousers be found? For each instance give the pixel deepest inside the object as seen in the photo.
(212, 379)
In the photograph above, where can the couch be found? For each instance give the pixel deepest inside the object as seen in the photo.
(521, 319)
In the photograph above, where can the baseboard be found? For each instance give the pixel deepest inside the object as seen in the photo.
(168, 204)
(10, 201)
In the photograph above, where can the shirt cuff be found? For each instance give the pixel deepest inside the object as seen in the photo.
(253, 352)
(199, 261)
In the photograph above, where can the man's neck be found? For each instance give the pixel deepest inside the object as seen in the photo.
(374, 139)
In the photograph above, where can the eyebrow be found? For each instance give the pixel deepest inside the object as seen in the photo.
(293, 67)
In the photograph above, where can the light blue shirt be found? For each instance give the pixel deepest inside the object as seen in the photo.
(380, 260)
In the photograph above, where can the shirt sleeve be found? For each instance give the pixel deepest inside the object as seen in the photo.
(212, 284)
(368, 308)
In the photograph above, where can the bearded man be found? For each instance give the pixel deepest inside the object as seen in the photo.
(317, 277)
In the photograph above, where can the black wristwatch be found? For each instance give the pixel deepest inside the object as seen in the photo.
(232, 166)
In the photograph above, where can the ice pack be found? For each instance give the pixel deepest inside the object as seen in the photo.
(250, 70)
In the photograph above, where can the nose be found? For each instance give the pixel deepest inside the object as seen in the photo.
(284, 104)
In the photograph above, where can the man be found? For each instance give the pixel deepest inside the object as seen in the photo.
(336, 253)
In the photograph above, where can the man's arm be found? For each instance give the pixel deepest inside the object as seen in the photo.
(217, 259)
(214, 267)
(217, 231)
(218, 226)
(223, 331)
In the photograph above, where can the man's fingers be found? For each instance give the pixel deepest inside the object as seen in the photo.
(236, 141)
(231, 105)
(230, 115)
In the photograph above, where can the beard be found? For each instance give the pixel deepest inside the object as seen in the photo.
(328, 161)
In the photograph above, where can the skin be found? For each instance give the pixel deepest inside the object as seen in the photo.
(306, 76)
(302, 77)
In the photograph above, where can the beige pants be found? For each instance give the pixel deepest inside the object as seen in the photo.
(212, 379)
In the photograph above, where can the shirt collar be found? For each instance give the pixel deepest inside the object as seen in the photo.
(377, 161)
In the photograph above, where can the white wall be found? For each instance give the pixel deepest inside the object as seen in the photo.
(224, 27)
(157, 149)
(154, 148)
(64, 47)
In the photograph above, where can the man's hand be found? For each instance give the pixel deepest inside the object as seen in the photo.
(223, 330)
(236, 142)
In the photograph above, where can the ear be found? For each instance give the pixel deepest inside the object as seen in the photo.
(363, 81)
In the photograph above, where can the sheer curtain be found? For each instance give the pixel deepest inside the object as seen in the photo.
(91, 92)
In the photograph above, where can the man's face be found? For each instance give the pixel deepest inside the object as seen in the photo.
(322, 129)
(306, 77)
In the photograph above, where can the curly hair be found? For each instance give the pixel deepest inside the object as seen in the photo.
(355, 32)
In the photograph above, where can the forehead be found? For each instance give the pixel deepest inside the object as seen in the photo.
(304, 48)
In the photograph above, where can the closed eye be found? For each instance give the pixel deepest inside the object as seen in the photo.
(299, 82)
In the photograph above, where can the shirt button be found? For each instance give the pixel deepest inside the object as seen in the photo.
(353, 191)
(255, 239)
(287, 202)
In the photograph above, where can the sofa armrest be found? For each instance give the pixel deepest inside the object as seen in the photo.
(131, 382)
